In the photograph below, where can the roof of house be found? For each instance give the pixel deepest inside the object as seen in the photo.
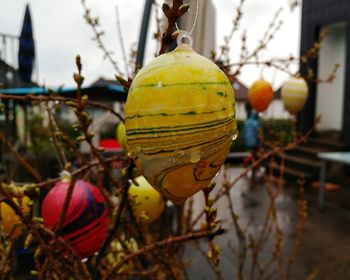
(15, 79)
(109, 93)
(103, 82)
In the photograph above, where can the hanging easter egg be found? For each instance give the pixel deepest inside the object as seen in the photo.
(86, 220)
(10, 221)
(294, 93)
(260, 95)
(180, 121)
(121, 135)
(148, 203)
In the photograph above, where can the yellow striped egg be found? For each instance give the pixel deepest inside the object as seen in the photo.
(180, 122)
(294, 94)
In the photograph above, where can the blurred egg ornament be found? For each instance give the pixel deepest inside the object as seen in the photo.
(294, 93)
(180, 121)
(148, 203)
(260, 95)
(86, 220)
(10, 221)
(121, 135)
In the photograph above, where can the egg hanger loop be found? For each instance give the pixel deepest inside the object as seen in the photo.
(184, 39)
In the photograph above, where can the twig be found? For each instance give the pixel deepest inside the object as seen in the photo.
(116, 221)
(300, 228)
(48, 183)
(20, 159)
(256, 163)
(165, 242)
(40, 98)
(121, 41)
(94, 24)
(172, 17)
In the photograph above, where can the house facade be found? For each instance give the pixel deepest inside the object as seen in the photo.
(331, 101)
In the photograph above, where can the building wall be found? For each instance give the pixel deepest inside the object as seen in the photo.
(333, 51)
(204, 33)
(315, 15)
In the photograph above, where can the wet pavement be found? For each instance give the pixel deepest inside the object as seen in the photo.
(324, 252)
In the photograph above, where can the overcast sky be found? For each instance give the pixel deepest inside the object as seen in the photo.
(61, 32)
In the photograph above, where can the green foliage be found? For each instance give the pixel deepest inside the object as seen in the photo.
(39, 135)
(278, 131)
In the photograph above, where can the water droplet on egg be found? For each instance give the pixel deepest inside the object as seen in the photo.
(195, 157)
(234, 136)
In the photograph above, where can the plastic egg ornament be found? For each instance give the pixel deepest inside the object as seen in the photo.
(180, 121)
(148, 203)
(121, 135)
(10, 221)
(260, 95)
(294, 94)
(86, 220)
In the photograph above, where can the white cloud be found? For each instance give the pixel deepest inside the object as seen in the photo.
(61, 33)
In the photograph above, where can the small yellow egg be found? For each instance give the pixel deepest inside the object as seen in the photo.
(148, 203)
(294, 94)
(121, 135)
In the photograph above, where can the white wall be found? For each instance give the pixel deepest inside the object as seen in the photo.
(330, 96)
(204, 32)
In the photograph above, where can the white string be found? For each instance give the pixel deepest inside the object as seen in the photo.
(195, 19)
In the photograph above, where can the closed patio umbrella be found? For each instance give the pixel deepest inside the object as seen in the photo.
(26, 52)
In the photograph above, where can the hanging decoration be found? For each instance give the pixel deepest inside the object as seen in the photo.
(294, 94)
(260, 95)
(86, 220)
(10, 221)
(180, 121)
(147, 203)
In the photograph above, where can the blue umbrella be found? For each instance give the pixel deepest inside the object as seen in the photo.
(26, 52)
